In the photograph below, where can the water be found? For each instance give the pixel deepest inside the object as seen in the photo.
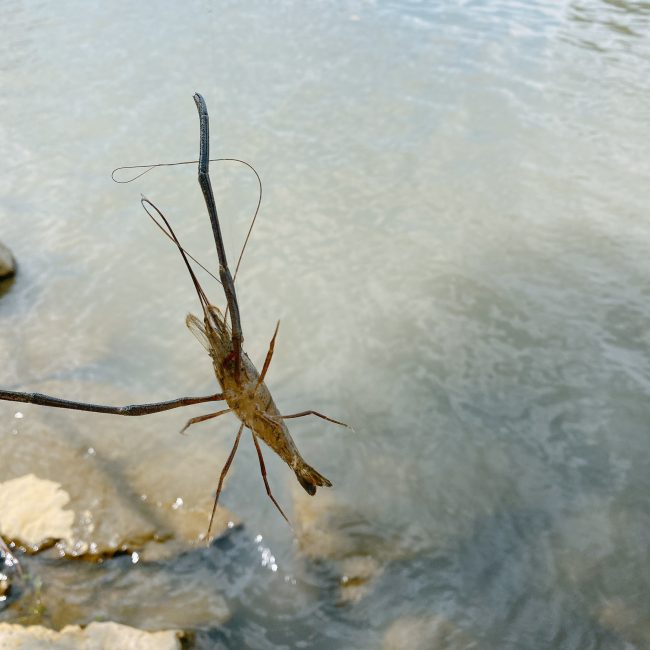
(453, 234)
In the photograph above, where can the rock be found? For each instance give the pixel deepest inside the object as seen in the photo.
(97, 636)
(318, 526)
(128, 489)
(7, 262)
(133, 487)
(323, 534)
(11, 572)
(32, 512)
(626, 621)
(183, 505)
(153, 596)
(425, 634)
(357, 575)
(599, 545)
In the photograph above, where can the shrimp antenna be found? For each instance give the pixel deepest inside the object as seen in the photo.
(172, 235)
(183, 250)
(148, 168)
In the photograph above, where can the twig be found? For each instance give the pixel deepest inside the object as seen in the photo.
(132, 409)
(224, 272)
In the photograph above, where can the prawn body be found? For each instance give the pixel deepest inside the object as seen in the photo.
(248, 396)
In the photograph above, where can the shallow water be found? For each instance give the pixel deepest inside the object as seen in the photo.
(453, 234)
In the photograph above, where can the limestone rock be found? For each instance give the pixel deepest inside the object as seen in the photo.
(32, 512)
(318, 530)
(322, 534)
(426, 633)
(129, 490)
(97, 636)
(358, 572)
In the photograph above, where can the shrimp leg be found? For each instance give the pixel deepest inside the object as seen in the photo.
(224, 471)
(317, 414)
(269, 356)
(203, 418)
(264, 477)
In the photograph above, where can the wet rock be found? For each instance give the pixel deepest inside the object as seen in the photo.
(357, 576)
(586, 542)
(177, 594)
(130, 487)
(597, 546)
(632, 625)
(11, 573)
(426, 633)
(319, 526)
(183, 506)
(359, 535)
(7, 262)
(134, 487)
(323, 531)
(32, 512)
(96, 636)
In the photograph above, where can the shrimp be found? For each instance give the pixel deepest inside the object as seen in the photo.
(244, 390)
(243, 386)
(250, 399)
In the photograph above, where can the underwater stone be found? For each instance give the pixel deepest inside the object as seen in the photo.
(96, 635)
(425, 633)
(7, 262)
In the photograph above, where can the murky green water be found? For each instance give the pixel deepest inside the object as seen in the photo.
(454, 233)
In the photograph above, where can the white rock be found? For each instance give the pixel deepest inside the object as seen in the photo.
(426, 633)
(7, 263)
(32, 511)
(322, 534)
(358, 573)
(97, 636)
(124, 485)
(320, 528)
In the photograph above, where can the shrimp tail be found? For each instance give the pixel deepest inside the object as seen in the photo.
(310, 479)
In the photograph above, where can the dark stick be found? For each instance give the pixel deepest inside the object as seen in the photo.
(224, 272)
(133, 409)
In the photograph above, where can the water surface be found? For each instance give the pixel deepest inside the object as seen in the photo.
(454, 234)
